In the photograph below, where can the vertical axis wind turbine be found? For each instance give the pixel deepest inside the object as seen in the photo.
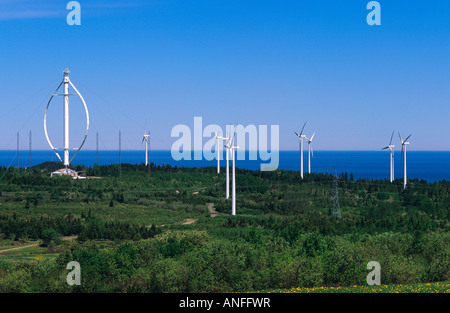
(404, 143)
(67, 82)
(391, 148)
(310, 151)
(300, 140)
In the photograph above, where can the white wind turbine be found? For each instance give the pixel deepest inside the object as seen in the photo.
(66, 82)
(218, 152)
(391, 148)
(310, 151)
(404, 143)
(300, 139)
(146, 138)
(233, 158)
(228, 142)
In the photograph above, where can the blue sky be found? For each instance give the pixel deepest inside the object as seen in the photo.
(157, 64)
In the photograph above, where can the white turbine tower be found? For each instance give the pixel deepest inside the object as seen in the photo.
(146, 138)
(404, 143)
(300, 140)
(218, 152)
(391, 148)
(227, 155)
(232, 149)
(310, 151)
(233, 195)
(66, 81)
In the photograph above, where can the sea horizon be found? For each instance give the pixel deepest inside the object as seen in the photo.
(363, 164)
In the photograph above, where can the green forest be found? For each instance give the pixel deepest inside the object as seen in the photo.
(169, 229)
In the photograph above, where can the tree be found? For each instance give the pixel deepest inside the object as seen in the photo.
(50, 237)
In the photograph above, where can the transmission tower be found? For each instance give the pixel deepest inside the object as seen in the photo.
(17, 150)
(29, 148)
(97, 149)
(336, 210)
(120, 153)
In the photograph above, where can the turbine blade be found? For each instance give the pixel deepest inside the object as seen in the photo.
(390, 142)
(407, 138)
(313, 136)
(301, 133)
(234, 135)
(385, 148)
(296, 134)
(400, 137)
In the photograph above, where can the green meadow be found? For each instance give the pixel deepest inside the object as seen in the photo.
(167, 229)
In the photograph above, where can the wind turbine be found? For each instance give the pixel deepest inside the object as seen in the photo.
(391, 148)
(233, 158)
(300, 139)
(404, 143)
(228, 142)
(310, 151)
(66, 82)
(218, 152)
(146, 138)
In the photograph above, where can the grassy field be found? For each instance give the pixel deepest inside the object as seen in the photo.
(153, 232)
(437, 287)
(27, 254)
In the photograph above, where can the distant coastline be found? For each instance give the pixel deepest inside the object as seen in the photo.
(427, 165)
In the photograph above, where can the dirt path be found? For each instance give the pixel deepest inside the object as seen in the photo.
(211, 210)
(189, 221)
(33, 245)
(18, 248)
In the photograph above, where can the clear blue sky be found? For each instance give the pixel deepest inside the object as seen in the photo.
(160, 63)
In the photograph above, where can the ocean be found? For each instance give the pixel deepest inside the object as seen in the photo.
(427, 165)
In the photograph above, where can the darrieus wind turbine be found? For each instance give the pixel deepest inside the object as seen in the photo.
(66, 162)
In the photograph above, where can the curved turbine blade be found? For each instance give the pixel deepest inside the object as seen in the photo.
(390, 142)
(301, 133)
(400, 137)
(407, 138)
(234, 135)
(313, 136)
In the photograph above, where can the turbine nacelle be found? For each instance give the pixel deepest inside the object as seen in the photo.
(145, 137)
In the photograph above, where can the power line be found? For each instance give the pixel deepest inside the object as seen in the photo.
(29, 148)
(17, 150)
